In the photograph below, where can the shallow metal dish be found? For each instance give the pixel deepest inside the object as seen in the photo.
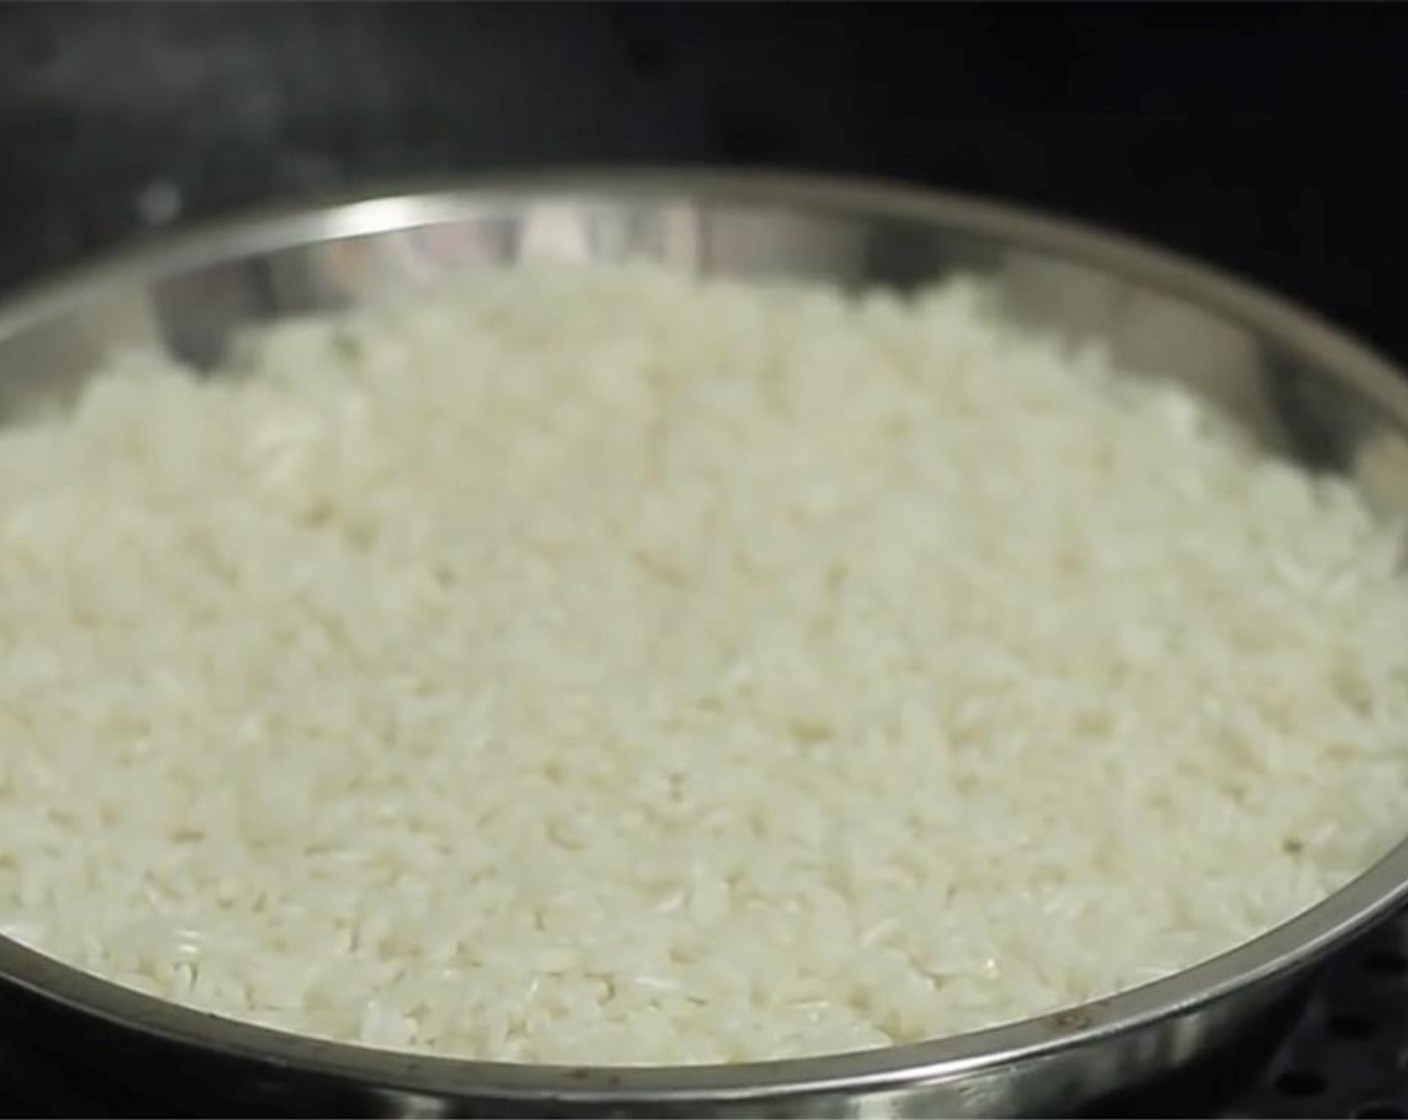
(1294, 381)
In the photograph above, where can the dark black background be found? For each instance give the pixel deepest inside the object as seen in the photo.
(1262, 136)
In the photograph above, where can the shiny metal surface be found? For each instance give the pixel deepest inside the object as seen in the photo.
(1296, 383)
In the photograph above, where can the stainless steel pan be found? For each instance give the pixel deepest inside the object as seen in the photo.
(1294, 381)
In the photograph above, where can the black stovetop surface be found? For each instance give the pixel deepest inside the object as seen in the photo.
(1261, 137)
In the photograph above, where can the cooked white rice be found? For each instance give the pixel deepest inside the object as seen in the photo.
(602, 666)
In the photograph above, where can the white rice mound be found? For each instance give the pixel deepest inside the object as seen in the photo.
(607, 666)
